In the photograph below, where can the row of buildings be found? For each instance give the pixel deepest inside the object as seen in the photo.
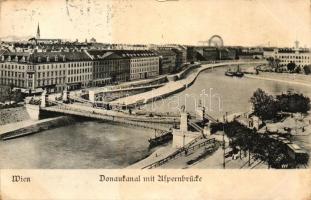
(54, 64)
(54, 71)
(301, 57)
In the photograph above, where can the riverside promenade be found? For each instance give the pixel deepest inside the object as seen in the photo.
(297, 79)
(174, 86)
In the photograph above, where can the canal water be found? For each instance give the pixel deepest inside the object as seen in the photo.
(220, 94)
(96, 144)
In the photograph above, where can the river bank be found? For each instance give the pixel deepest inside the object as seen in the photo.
(298, 79)
(28, 127)
(216, 159)
(96, 144)
(13, 115)
(172, 87)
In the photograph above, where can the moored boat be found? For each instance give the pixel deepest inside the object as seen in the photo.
(237, 73)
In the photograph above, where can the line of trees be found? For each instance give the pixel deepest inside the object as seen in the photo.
(266, 106)
(271, 151)
(291, 67)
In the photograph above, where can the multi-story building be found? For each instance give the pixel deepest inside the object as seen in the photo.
(268, 52)
(112, 66)
(300, 57)
(181, 56)
(109, 67)
(53, 71)
(180, 51)
(143, 63)
(167, 60)
(15, 71)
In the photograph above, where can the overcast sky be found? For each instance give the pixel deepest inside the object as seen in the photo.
(238, 22)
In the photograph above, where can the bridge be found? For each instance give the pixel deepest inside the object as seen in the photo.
(85, 108)
(82, 110)
(162, 123)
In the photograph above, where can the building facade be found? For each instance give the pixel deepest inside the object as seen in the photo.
(52, 71)
(112, 66)
(143, 63)
(15, 71)
(301, 57)
(109, 67)
(180, 52)
(34, 72)
(167, 61)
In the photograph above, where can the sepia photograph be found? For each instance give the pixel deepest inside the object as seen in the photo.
(155, 84)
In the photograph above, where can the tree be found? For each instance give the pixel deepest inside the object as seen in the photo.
(264, 105)
(307, 69)
(277, 64)
(297, 70)
(293, 102)
(291, 66)
(274, 63)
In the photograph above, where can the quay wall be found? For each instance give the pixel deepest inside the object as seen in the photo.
(38, 126)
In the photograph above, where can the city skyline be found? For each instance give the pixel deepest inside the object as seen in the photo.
(246, 23)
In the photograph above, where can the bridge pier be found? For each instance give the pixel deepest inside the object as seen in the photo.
(201, 113)
(92, 96)
(44, 97)
(33, 111)
(65, 96)
(182, 136)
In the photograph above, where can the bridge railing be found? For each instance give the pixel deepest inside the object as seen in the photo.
(180, 152)
(195, 126)
(160, 119)
(210, 117)
(63, 108)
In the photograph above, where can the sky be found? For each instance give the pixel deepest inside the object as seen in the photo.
(238, 22)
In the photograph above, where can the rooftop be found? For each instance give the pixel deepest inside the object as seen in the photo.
(43, 57)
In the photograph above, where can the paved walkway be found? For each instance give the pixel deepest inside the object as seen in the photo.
(298, 79)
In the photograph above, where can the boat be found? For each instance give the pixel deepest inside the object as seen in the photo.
(160, 139)
(229, 72)
(237, 73)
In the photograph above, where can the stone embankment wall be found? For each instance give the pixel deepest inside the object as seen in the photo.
(12, 115)
(38, 127)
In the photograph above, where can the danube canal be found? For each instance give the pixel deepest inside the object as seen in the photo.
(94, 144)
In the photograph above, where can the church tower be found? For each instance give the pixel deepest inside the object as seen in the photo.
(38, 32)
